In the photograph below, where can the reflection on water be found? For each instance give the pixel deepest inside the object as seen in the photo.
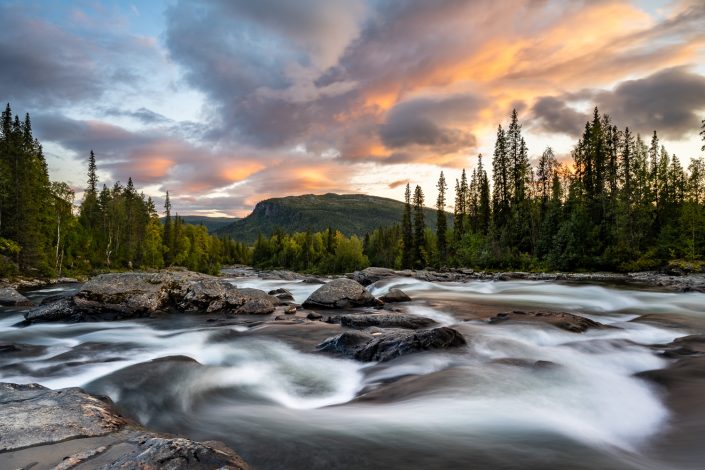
(517, 393)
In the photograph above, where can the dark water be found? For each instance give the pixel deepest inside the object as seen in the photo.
(260, 388)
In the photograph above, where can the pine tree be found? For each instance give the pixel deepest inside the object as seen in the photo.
(441, 226)
(168, 238)
(407, 231)
(419, 256)
(500, 175)
(484, 211)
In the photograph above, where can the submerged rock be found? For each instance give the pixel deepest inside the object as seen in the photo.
(367, 347)
(395, 295)
(562, 320)
(9, 297)
(386, 320)
(35, 416)
(340, 293)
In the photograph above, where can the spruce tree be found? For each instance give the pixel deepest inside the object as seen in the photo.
(407, 231)
(168, 238)
(441, 226)
(419, 257)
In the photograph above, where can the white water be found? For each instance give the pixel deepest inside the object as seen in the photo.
(590, 395)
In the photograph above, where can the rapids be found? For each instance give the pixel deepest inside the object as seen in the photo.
(518, 396)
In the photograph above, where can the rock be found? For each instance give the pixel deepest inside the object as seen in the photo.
(312, 280)
(60, 310)
(340, 293)
(386, 320)
(565, 321)
(34, 416)
(282, 294)
(9, 297)
(131, 294)
(395, 295)
(367, 347)
(372, 274)
(314, 316)
(290, 310)
(256, 306)
(346, 343)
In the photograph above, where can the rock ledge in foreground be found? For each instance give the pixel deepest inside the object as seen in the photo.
(562, 320)
(33, 416)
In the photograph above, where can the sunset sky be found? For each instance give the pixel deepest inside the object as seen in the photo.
(228, 102)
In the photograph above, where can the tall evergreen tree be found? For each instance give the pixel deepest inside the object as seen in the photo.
(407, 258)
(168, 238)
(419, 259)
(441, 225)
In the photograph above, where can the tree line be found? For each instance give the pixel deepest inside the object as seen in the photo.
(622, 204)
(113, 228)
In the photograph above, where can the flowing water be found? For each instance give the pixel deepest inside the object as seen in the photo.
(517, 396)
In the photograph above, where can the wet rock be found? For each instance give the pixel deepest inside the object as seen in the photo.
(290, 310)
(64, 310)
(312, 280)
(9, 297)
(371, 275)
(340, 293)
(386, 320)
(562, 320)
(395, 295)
(282, 294)
(215, 295)
(35, 416)
(346, 343)
(314, 316)
(367, 347)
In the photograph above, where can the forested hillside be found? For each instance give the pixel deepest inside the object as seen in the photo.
(42, 233)
(351, 214)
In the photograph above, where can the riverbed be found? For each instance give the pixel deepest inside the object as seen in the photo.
(517, 396)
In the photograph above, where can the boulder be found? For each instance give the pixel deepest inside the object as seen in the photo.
(395, 295)
(312, 280)
(314, 316)
(9, 297)
(59, 310)
(372, 274)
(340, 293)
(386, 320)
(131, 294)
(216, 295)
(35, 416)
(284, 295)
(256, 306)
(367, 347)
(562, 320)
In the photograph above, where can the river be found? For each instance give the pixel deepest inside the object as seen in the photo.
(517, 396)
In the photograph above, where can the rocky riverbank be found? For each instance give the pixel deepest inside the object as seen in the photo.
(71, 429)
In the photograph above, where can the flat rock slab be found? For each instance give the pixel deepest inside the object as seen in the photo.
(9, 297)
(562, 320)
(71, 429)
(340, 293)
(367, 347)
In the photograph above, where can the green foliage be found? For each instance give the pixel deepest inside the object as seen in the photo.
(320, 252)
(622, 205)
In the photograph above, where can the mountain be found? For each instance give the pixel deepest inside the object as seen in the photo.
(352, 214)
(212, 224)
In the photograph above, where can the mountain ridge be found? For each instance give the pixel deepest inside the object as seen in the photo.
(352, 214)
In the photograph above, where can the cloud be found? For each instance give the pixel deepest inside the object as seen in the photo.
(553, 115)
(46, 65)
(435, 123)
(144, 115)
(669, 101)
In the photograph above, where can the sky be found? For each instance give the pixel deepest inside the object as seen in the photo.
(224, 103)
